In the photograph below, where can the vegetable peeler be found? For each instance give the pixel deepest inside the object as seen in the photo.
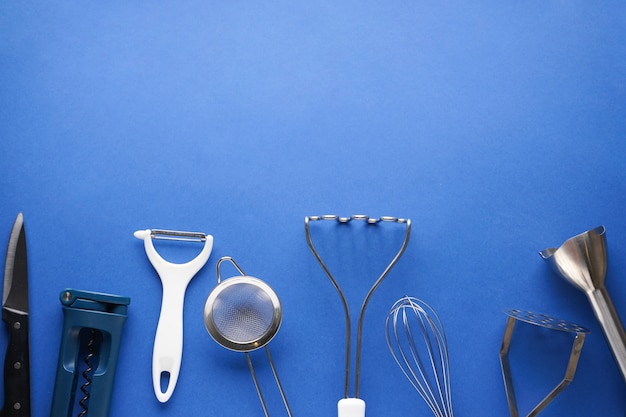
(92, 324)
(168, 342)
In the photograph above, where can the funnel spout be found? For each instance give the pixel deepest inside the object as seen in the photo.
(611, 326)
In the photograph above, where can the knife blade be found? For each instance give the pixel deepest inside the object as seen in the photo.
(15, 315)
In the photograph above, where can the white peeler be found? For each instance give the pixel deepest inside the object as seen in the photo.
(168, 342)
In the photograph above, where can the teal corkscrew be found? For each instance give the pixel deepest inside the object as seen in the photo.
(92, 330)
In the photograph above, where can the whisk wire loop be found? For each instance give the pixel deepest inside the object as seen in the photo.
(423, 357)
(442, 352)
(409, 372)
(417, 377)
(427, 387)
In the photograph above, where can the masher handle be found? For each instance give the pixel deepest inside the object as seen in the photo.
(351, 407)
(611, 325)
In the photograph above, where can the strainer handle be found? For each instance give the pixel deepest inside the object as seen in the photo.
(219, 265)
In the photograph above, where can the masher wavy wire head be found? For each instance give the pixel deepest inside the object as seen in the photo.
(418, 344)
(357, 406)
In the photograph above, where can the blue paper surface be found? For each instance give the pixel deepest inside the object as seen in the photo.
(497, 128)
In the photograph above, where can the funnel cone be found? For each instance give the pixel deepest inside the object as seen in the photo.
(582, 261)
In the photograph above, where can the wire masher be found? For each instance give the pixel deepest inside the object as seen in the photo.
(355, 407)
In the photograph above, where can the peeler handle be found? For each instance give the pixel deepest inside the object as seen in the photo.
(168, 342)
(611, 325)
(351, 407)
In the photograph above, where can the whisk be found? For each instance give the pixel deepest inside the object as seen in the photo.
(423, 360)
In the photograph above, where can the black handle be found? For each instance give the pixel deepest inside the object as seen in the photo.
(16, 366)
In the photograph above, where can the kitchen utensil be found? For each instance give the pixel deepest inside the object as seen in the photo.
(418, 344)
(15, 315)
(92, 322)
(582, 261)
(542, 320)
(168, 342)
(243, 314)
(355, 406)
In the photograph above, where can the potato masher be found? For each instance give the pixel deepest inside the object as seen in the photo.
(354, 406)
(548, 322)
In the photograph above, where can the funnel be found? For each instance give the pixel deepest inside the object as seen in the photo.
(581, 260)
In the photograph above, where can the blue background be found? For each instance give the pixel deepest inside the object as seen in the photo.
(499, 128)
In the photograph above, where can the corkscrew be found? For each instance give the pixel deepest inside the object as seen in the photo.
(92, 330)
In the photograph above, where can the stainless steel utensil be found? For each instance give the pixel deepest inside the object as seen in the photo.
(418, 344)
(582, 261)
(541, 320)
(243, 314)
(354, 406)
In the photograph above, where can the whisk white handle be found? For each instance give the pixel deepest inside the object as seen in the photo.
(351, 407)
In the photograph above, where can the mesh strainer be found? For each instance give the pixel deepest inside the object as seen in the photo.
(243, 314)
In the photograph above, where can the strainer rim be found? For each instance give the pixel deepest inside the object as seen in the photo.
(235, 345)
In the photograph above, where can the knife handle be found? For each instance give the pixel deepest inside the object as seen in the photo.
(16, 366)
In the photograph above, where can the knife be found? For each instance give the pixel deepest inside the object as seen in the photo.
(15, 315)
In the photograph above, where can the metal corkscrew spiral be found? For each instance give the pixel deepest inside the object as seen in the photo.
(87, 373)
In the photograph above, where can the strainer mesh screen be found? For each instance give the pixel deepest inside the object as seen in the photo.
(243, 313)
